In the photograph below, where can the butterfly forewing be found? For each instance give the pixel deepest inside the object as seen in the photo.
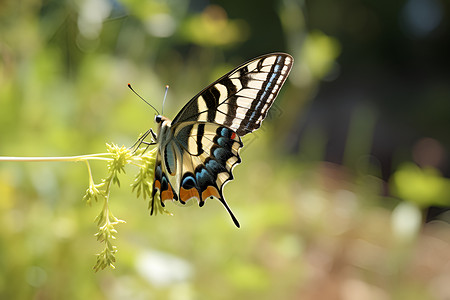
(240, 99)
(201, 144)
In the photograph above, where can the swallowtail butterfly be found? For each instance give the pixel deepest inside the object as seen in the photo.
(197, 150)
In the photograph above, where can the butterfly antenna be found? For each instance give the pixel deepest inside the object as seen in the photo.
(129, 85)
(165, 96)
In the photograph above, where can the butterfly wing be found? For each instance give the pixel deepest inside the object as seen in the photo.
(210, 151)
(241, 98)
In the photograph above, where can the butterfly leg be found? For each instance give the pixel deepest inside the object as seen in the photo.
(153, 142)
(154, 137)
(148, 145)
(141, 141)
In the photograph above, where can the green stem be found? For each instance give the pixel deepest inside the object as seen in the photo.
(58, 158)
(91, 180)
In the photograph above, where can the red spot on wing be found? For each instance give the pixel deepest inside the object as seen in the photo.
(233, 136)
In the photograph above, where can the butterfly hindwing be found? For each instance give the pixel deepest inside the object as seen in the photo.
(210, 151)
(199, 148)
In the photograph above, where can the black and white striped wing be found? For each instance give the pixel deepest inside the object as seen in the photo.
(240, 99)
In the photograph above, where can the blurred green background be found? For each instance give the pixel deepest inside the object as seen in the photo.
(341, 194)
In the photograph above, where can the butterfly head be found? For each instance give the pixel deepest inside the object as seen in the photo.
(162, 121)
(158, 119)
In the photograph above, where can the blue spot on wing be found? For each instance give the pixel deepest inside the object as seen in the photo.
(204, 179)
(158, 172)
(225, 142)
(214, 167)
(188, 181)
(225, 132)
(164, 184)
(222, 154)
(276, 68)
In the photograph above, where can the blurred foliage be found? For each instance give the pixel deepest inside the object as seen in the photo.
(310, 229)
(424, 187)
(217, 30)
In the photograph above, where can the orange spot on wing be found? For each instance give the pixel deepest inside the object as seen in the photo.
(157, 184)
(210, 191)
(167, 194)
(185, 195)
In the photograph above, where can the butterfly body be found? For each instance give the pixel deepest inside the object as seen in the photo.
(199, 148)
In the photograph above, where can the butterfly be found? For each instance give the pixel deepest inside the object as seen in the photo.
(197, 150)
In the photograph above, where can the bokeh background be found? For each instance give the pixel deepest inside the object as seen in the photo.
(342, 193)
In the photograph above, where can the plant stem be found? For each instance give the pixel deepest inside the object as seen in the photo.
(58, 158)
